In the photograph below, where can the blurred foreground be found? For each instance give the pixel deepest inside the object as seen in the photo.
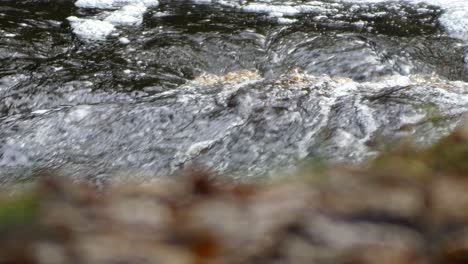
(407, 206)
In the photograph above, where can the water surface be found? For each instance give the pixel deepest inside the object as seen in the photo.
(245, 88)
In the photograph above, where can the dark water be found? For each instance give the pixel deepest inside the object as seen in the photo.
(337, 84)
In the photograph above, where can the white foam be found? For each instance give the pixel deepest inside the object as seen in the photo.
(455, 22)
(95, 3)
(124, 40)
(272, 9)
(282, 20)
(126, 13)
(90, 29)
(113, 4)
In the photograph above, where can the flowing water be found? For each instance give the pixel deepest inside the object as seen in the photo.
(95, 88)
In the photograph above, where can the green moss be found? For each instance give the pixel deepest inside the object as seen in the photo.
(405, 162)
(18, 210)
(313, 171)
(434, 115)
(450, 154)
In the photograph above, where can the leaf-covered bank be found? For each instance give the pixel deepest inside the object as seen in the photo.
(407, 206)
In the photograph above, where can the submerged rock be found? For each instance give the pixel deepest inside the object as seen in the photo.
(231, 124)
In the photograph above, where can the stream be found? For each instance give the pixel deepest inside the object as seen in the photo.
(98, 88)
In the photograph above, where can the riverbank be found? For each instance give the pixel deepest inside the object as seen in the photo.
(407, 206)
